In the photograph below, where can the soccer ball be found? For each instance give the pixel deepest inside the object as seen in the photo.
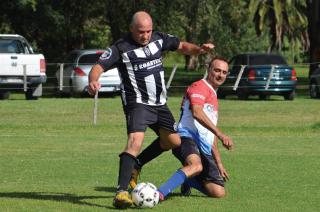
(145, 195)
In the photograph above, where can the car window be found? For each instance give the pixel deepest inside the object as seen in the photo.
(266, 60)
(89, 59)
(27, 48)
(11, 46)
(235, 64)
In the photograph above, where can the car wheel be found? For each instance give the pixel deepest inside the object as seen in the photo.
(4, 95)
(242, 95)
(289, 96)
(29, 95)
(314, 90)
(72, 93)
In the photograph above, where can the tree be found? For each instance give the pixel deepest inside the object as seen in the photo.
(56, 27)
(225, 23)
(284, 18)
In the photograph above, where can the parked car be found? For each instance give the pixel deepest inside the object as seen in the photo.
(21, 70)
(314, 82)
(256, 71)
(76, 68)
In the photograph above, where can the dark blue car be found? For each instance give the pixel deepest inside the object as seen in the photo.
(259, 74)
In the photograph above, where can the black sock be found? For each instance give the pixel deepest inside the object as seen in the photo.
(152, 151)
(127, 163)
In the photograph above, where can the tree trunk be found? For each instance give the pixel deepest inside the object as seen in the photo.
(192, 61)
(314, 34)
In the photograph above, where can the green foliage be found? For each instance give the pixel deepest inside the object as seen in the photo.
(229, 27)
(56, 27)
(285, 19)
(97, 35)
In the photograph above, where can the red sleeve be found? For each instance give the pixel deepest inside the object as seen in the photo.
(197, 93)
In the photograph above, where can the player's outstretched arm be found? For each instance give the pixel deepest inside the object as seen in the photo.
(187, 48)
(93, 78)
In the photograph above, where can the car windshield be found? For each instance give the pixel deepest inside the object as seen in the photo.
(266, 59)
(89, 59)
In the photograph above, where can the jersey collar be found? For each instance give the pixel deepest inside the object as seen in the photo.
(208, 84)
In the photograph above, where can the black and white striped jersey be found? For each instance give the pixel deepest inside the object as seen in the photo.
(140, 67)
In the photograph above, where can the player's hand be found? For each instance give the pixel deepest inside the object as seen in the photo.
(206, 47)
(94, 86)
(226, 141)
(223, 172)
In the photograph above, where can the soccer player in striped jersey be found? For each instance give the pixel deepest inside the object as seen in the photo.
(138, 57)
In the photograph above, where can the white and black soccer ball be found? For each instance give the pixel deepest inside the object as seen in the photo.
(145, 195)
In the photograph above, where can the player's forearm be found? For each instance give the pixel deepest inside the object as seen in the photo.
(192, 49)
(187, 48)
(203, 119)
(95, 73)
(216, 154)
(93, 78)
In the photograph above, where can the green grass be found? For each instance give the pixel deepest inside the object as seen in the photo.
(53, 159)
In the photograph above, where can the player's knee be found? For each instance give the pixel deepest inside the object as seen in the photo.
(220, 194)
(192, 169)
(196, 168)
(165, 146)
(134, 144)
(216, 193)
(169, 140)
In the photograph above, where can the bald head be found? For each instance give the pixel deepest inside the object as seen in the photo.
(141, 27)
(140, 17)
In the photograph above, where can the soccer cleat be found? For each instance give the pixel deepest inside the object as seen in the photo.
(134, 178)
(185, 189)
(122, 200)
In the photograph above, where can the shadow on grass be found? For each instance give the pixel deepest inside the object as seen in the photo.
(316, 126)
(59, 197)
(106, 189)
(173, 195)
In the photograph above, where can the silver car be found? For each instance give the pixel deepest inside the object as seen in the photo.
(75, 71)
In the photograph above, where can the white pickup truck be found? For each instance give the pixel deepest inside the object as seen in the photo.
(20, 68)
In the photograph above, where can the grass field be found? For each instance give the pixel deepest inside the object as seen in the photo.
(53, 159)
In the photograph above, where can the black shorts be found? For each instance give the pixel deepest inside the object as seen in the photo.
(210, 170)
(140, 116)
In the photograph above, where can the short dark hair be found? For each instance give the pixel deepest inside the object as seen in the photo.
(217, 58)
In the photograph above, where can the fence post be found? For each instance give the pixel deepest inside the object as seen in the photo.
(25, 78)
(95, 108)
(269, 78)
(61, 77)
(235, 87)
(171, 76)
